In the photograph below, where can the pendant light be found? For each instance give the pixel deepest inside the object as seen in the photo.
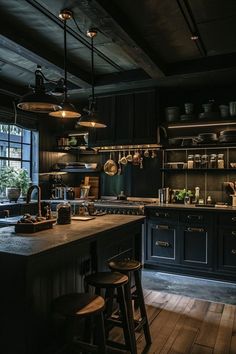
(91, 119)
(67, 109)
(38, 100)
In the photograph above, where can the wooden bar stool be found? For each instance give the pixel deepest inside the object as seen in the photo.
(131, 267)
(77, 306)
(117, 286)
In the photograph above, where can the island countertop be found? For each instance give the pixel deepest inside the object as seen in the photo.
(31, 244)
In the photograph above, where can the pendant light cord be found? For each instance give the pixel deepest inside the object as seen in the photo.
(65, 62)
(92, 71)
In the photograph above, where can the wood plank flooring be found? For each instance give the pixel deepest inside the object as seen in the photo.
(183, 325)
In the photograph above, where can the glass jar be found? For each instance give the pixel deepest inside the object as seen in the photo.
(220, 161)
(212, 162)
(63, 213)
(190, 162)
(197, 161)
(204, 162)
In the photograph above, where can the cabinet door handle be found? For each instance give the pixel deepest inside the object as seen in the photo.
(162, 244)
(196, 217)
(162, 215)
(233, 233)
(233, 251)
(233, 218)
(162, 227)
(195, 229)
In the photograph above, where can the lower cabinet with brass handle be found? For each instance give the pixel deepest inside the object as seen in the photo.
(162, 244)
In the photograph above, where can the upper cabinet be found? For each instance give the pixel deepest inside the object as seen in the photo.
(145, 117)
(131, 119)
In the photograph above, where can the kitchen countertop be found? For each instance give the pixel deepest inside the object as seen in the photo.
(191, 207)
(31, 244)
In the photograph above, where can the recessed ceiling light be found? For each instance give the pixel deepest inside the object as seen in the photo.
(194, 37)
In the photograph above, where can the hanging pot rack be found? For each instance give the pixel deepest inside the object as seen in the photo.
(118, 148)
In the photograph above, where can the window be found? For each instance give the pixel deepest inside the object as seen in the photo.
(19, 148)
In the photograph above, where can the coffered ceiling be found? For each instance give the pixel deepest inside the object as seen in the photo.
(139, 44)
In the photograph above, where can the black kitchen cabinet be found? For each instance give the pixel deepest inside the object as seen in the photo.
(195, 246)
(124, 119)
(104, 136)
(145, 117)
(131, 118)
(196, 242)
(162, 242)
(227, 243)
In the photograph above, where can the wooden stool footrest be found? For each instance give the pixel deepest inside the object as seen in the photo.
(117, 345)
(138, 324)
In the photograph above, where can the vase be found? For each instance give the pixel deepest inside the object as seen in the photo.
(13, 194)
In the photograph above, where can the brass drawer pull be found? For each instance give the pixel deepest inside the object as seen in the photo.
(233, 233)
(162, 227)
(162, 215)
(233, 251)
(162, 244)
(195, 229)
(233, 218)
(195, 217)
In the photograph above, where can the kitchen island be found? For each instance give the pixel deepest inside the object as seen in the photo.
(36, 268)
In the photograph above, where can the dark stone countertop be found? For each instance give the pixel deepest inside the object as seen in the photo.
(191, 207)
(32, 244)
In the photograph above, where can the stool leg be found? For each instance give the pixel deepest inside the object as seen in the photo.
(100, 334)
(142, 308)
(124, 297)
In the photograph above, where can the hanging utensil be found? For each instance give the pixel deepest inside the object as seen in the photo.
(129, 157)
(123, 159)
(119, 162)
(141, 163)
(146, 153)
(154, 154)
(110, 167)
(136, 158)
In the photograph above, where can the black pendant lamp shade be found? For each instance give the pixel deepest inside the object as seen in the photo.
(67, 109)
(91, 119)
(38, 100)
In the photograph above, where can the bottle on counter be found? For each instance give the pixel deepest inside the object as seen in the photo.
(197, 194)
(64, 213)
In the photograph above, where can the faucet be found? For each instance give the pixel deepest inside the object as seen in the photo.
(28, 197)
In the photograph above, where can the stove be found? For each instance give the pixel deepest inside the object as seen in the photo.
(131, 206)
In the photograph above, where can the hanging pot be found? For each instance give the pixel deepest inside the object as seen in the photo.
(110, 167)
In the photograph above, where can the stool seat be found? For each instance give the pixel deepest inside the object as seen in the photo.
(107, 279)
(78, 305)
(127, 265)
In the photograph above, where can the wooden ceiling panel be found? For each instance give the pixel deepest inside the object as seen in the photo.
(212, 10)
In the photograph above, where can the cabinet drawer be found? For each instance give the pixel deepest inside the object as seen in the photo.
(194, 218)
(163, 215)
(228, 220)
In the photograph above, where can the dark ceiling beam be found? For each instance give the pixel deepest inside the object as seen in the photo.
(81, 38)
(188, 16)
(107, 19)
(38, 59)
(126, 76)
(207, 64)
(10, 90)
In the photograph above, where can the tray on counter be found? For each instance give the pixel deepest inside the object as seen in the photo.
(30, 228)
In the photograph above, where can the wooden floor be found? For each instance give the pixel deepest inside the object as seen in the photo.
(183, 325)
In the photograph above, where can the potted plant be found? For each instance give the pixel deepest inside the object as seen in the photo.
(15, 181)
(182, 194)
